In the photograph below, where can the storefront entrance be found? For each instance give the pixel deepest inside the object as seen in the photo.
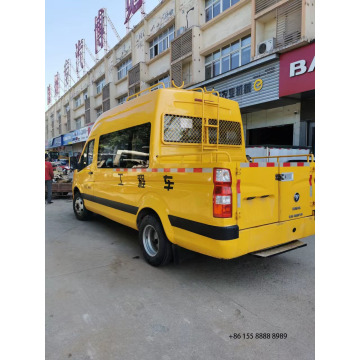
(274, 135)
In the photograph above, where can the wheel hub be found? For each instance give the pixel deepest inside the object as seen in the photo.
(151, 240)
(79, 206)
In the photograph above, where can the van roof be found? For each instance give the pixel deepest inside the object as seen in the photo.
(147, 102)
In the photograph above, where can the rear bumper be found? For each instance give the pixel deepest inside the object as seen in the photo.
(250, 240)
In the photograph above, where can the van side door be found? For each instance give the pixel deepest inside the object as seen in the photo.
(85, 173)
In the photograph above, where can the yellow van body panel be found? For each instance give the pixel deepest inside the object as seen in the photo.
(269, 199)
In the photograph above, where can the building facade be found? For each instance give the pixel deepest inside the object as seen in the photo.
(260, 53)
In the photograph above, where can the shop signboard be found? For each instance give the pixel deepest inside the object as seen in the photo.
(57, 141)
(297, 71)
(82, 134)
(250, 87)
(68, 138)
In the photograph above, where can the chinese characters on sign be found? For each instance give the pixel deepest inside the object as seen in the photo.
(131, 7)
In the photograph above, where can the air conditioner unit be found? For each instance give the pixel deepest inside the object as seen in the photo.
(266, 46)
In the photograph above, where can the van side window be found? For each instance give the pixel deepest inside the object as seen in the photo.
(87, 156)
(127, 148)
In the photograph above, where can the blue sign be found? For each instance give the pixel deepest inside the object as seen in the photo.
(68, 138)
(57, 141)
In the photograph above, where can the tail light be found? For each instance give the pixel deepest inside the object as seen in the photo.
(222, 196)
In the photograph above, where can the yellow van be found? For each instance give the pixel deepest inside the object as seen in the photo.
(172, 164)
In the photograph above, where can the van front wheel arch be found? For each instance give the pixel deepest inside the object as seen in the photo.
(155, 246)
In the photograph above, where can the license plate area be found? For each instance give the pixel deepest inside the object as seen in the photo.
(289, 176)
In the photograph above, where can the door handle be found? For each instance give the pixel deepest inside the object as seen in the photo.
(90, 172)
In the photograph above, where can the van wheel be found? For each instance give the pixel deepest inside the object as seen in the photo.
(155, 246)
(80, 210)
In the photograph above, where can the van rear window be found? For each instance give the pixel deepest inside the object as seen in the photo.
(187, 130)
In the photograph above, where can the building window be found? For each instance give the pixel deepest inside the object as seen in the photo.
(215, 7)
(99, 86)
(165, 80)
(122, 99)
(228, 58)
(77, 102)
(85, 95)
(124, 68)
(67, 108)
(98, 111)
(162, 42)
(78, 123)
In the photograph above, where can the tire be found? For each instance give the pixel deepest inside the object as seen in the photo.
(80, 210)
(155, 246)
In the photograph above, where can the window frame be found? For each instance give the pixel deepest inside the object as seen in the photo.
(99, 111)
(210, 63)
(122, 97)
(81, 166)
(162, 40)
(213, 3)
(161, 79)
(77, 102)
(126, 66)
(118, 133)
(100, 85)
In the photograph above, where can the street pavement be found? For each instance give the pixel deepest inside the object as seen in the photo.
(104, 302)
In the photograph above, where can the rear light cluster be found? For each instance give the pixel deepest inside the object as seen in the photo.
(222, 196)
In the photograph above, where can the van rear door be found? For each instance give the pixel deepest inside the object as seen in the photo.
(295, 190)
(273, 192)
(258, 194)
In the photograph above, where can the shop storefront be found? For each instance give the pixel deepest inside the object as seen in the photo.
(297, 81)
(70, 144)
(267, 118)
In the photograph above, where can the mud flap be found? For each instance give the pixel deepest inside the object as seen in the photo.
(279, 249)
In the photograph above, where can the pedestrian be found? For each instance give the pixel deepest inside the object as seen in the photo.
(49, 175)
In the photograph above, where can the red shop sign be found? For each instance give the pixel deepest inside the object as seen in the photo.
(297, 71)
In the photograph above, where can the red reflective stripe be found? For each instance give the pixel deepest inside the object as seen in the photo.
(254, 164)
(143, 170)
(300, 164)
(133, 170)
(270, 164)
(181, 170)
(198, 170)
(286, 164)
(167, 170)
(154, 170)
(238, 186)
(310, 180)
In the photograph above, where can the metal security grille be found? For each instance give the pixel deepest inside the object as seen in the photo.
(176, 73)
(288, 23)
(87, 103)
(181, 46)
(106, 105)
(134, 74)
(261, 5)
(87, 116)
(106, 92)
(182, 129)
(68, 121)
(187, 130)
(229, 132)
